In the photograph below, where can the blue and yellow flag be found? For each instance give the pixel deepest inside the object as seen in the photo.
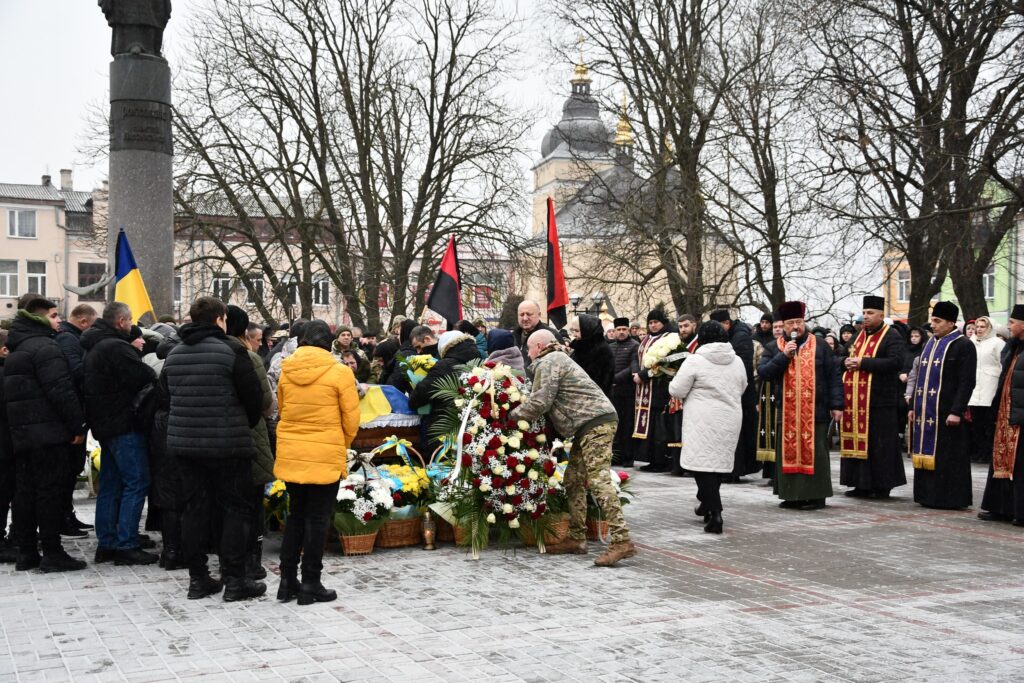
(129, 287)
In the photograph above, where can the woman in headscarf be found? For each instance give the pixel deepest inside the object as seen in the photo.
(591, 352)
(983, 417)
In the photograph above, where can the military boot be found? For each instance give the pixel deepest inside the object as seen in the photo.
(614, 553)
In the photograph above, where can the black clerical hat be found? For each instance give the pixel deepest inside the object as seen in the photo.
(947, 310)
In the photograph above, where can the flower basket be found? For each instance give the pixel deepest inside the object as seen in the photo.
(557, 529)
(358, 545)
(400, 533)
(445, 531)
(597, 530)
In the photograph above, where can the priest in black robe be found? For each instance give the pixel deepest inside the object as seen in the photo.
(1004, 489)
(938, 436)
(871, 461)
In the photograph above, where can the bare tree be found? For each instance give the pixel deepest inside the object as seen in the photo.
(350, 139)
(760, 178)
(671, 59)
(921, 104)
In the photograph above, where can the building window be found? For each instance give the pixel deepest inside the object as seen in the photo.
(90, 274)
(256, 293)
(988, 282)
(21, 223)
(321, 291)
(37, 277)
(482, 297)
(177, 288)
(291, 289)
(8, 278)
(903, 286)
(222, 286)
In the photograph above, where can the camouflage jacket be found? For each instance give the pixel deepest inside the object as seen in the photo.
(562, 390)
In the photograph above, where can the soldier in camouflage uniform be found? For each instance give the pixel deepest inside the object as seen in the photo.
(577, 408)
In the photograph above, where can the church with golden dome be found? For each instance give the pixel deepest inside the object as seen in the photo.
(587, 168)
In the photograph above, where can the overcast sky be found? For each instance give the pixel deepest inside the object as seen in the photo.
(54, 57)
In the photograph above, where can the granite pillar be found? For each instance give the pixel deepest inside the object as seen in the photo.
(141, 167)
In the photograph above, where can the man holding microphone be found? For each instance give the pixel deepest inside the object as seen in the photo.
(808, 392)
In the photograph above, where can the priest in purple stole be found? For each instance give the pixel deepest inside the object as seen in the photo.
(938, 435)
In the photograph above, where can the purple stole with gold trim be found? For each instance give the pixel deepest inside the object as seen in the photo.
(924, 434)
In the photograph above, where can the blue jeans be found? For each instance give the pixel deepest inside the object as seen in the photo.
(124, 483)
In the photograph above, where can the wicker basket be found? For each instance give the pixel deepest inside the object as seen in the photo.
(445, 531)
(597, 529)
(558, 530)
(400, 533)
(358, 545)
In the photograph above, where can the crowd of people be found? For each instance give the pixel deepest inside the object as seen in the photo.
(197, 418)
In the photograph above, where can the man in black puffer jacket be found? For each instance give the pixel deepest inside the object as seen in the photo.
(46, 420)
(69, 339)
(455, 349)
(114, 376)
(8, 548)
(215, 400)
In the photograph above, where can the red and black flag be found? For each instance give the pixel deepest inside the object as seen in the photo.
(445, 296)
(558, 294)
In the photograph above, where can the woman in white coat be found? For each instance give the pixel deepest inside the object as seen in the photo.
(983, 415)
(710, 383)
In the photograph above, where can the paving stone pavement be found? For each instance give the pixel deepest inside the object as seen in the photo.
(860, 591)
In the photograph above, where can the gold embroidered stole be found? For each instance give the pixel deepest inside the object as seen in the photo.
(1004, 446)
(857, 395)
(798, 399)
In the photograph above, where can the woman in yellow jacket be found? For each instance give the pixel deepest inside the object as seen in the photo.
(319, 409)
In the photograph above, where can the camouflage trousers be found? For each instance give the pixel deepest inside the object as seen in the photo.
(590, 461)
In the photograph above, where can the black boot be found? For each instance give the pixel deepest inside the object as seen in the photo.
(312, 591)
(170, 556)
(243, 589)
(254, 563)
(701, 512)
(8, 551)
(60, 561)
(201, 586)
(289, 588)
(27, 559)
(714, 525)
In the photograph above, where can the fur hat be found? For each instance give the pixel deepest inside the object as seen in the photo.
(792, 310)
(659, 315)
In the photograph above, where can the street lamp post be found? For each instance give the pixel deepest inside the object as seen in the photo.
(575, 300)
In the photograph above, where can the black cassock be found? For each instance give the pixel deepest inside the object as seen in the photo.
(883, 469)
(949, 485)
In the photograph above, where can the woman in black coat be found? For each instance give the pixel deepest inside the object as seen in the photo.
(592, 353)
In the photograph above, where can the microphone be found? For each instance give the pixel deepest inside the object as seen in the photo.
(792, 338)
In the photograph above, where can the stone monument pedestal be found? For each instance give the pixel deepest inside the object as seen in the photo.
(141, 170)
